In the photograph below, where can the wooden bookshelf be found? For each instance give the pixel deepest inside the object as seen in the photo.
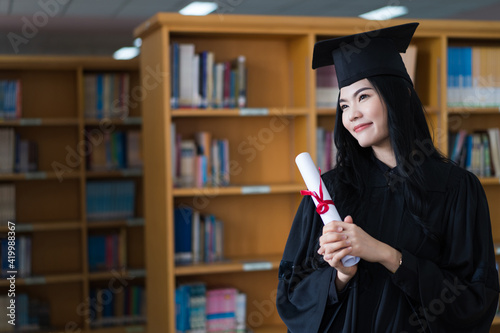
(278, 52)
(51, 203)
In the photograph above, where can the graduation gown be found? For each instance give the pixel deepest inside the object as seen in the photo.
(447, 282)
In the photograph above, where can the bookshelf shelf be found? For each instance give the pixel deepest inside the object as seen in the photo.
(45, 279)
(22, 227)
(490, 181)
(474, 110)
(39, 122)
(246, 112)
(38, 175)
(123, 329)
(230, 266)
(237, 190)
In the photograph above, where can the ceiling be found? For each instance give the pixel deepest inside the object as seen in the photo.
(99, 27)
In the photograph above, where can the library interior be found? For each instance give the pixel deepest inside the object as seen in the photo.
(148, 180)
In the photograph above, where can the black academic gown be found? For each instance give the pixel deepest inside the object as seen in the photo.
(448, 281)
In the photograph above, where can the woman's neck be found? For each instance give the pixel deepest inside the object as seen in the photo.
(385, 156)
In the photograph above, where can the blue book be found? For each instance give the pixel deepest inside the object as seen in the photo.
(182, 308)
(174, 99)
(97, 252)
(183, 221)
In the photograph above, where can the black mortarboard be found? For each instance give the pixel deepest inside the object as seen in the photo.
(366, 54)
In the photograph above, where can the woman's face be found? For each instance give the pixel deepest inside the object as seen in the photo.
(364, 115)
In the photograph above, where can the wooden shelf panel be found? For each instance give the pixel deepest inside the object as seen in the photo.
(238, 190)
(45, 279)
(496, 321)
(44, 226)
(474, 110)
(37, 175)
(233, 265)
(490, 181)
(244, 112)
(39, 122)
(121, 329)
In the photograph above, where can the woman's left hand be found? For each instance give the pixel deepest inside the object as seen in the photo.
(363, 245)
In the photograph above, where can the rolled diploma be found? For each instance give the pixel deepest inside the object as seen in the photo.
(311, 176)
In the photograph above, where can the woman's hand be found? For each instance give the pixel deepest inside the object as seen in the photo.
(342, 238)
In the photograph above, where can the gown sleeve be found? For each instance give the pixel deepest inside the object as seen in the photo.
(306, 282)
(462, 292)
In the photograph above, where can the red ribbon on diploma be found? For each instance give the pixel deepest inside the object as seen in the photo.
(322, 206)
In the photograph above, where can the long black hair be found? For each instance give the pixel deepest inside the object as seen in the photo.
(410, 139)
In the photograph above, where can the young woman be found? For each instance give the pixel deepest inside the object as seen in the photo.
(419, 223)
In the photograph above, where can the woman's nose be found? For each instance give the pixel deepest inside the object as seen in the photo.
(354, 114)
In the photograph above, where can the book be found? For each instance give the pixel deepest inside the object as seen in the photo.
(221, 309)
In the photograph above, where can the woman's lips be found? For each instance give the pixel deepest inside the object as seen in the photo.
(361, 127)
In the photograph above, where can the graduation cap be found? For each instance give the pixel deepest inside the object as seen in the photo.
(366, 54)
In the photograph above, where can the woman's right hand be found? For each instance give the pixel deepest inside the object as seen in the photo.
(334, 245)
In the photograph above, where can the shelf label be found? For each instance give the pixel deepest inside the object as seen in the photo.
(132, 120)
(135, 222)
(30, 121)
(131, 172)
(35, 280)
(261, 189)
(254, 112)
(136, 273)
(35, 175)
(257, 266)
(24, 227)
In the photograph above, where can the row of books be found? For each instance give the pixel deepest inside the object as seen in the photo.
(110, 199)
(31, 314)
(199, 309)
(326, 149)
(106, 95)
(16, 154)
(478, 152)
(10, 99)
(117, 306)
(107, 252)
(198, 237)
(7, 204)
(16, 257)
(473, 76)
(198, 81)
(117, 150)
(200, 161)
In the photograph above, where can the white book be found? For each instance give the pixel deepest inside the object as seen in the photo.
(196, 99)
(210, 79)
(187, 163)
(186, 56)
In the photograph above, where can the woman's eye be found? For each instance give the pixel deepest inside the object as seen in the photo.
(361, 97)
(343, 107)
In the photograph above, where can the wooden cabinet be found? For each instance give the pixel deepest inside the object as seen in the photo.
(51, 201)
(259, 205)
